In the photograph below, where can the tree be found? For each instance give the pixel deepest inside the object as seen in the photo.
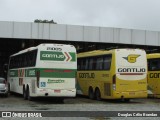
(45, 21)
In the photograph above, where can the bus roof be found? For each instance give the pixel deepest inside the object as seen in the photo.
(153, 55)
(41, 45)
(24, 51)
(100, 52)
(94, 53)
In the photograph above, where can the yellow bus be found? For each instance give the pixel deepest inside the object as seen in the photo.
(113, 74)
(153, 75)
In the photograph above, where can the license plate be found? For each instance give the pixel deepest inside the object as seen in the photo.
(57, 91)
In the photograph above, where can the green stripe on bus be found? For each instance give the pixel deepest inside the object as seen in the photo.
(13, 73)
(58, 73)
(46, 72)
(30, 72)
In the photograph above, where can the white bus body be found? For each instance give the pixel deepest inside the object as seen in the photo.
(48, 70)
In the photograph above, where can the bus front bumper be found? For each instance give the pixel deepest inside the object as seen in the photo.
(54, 93)
(130, 94)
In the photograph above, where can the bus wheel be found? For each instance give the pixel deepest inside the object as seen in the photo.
(98, 94)
(24, 93)
(28, 94)
(91, 93)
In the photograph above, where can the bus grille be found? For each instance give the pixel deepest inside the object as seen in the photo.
(107, 89)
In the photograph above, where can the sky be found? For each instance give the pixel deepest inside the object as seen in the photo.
(131, 14)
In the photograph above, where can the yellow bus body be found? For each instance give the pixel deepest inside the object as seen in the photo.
(102, 80)
(154, 75)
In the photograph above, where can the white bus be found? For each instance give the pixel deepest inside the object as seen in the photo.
(48, 70)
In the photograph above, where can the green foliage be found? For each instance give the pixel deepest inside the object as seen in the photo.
(45, 21)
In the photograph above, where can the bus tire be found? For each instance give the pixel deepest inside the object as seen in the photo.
(24, 93)
(98, 94)
(91, 93)
(28, 94)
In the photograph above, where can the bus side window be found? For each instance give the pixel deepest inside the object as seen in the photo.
(25, 60)
(154, 64)
(79, 64)
(86, 63)
(91, 63)
(107, 62)
(33, 57)
(148, 64)
(99, 65)
(82, 64)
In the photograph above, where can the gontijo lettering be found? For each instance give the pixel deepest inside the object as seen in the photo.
(131, 70)
(52, 56)
(86, 75)
(154, 75)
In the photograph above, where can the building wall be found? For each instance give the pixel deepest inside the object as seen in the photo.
(78, 33)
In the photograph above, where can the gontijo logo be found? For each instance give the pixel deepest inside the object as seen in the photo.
(132, 58)
(57, 56)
